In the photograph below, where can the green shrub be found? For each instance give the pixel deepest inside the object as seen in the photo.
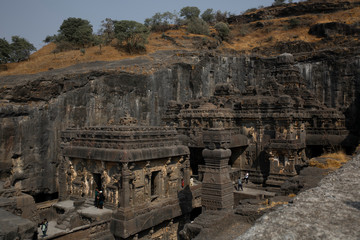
(198, 26)
(250, 10)
(278, 2)
(294, 23)
(5, 50)
(77, 31)
(222, 30)
(20, 49)
(131, 35)
(106, 33)
(190, 12)
(221, 16)
(208, 15)
(161, 22)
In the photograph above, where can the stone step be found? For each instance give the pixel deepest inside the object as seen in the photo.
(61, 226)
(102, 235)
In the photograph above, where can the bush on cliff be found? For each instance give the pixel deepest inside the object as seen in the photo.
(5, 51)
(208, 15)
(189, 12)
(106, 33)
(197, 26)
(131, 35)
(76, 31)
(161, 22)
(18, 50)
(222, 30)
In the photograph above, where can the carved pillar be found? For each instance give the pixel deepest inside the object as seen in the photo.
(125, 190)
(187, 171)
(292, 162)
(273, 163)
(217, 188)
(161, 184)
(63, 178)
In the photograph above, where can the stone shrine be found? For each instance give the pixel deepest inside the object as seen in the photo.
(142, 171)
(269, 128)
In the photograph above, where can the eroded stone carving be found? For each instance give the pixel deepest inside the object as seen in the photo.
(269, 127)
(139, 168)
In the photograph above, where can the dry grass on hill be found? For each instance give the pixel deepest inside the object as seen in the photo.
(330, 160)
(243, 38)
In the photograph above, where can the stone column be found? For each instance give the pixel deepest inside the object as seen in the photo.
(63, 178)
(217, 188)
(272, 162)
(161, 185)
(125, 190)
(292, 162)
(187, 172)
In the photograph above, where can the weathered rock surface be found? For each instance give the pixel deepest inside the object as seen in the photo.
(333, 28)
(34, 109)
(308, 7)
(15, 227)
(329, 211)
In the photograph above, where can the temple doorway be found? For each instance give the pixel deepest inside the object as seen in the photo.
(155, 183)
(97, 180)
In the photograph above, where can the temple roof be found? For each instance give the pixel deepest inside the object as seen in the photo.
(122, 143)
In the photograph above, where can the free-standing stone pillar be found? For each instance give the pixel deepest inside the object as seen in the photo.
(187, 174)
(125, 190)
(217, 188)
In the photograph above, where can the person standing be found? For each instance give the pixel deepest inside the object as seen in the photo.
(101, 198)
(96, 202)
(246, 178)
(44, 227)
(240, 184)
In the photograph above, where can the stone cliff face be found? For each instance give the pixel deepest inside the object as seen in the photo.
(34, 109)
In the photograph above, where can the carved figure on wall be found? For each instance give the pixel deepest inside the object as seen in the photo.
(72, 174)
(86, 188)
(105, 178)
(252, 135)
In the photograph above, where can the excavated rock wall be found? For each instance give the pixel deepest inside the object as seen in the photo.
(34, 109)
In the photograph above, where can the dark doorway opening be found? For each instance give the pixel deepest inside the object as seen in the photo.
(155, 183)
(196, 159)
(314, 151)
(97, 179)
(43, 197)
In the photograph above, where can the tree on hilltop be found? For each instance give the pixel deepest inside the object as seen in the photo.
(107, 31)
(197, 26)
(76, 31)
(5, 51)
(161, 21)
(20, 49)
(221, 16)
(278, 2)
(222, 30)
(131, 35)
(208, 15)
(190, 12)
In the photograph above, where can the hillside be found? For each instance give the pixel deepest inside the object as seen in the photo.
(266, 32)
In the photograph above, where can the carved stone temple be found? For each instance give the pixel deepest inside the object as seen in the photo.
(145, 171)
(142, 171)
(268, 129)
